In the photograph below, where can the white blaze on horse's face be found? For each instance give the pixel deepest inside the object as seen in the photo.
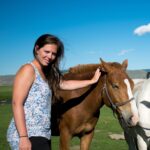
(134, 118)
(130, 95)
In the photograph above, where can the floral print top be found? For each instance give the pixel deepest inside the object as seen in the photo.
(37, 108)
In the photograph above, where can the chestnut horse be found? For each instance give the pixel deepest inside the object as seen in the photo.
(80, 109)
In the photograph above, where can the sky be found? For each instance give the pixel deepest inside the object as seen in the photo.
(113, 30)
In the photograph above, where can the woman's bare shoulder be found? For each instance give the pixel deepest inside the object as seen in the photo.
(26, 70)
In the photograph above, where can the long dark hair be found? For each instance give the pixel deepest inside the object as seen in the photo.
(51, 72)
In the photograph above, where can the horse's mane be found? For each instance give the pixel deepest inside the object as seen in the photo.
(86, 71)
(84, 68)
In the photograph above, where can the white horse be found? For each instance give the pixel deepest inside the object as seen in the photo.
(138, 138)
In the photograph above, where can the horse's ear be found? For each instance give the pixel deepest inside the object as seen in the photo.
(105, 66)
(125, 64)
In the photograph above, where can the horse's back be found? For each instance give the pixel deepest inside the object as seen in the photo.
(144, 91)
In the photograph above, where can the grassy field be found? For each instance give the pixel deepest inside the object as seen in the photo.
(107, 124)
(5, 93)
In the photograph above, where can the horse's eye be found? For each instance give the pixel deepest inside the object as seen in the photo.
(115, 86)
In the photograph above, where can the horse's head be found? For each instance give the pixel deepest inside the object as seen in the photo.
(117, 91)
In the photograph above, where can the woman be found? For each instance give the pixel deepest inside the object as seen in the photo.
(34, 85)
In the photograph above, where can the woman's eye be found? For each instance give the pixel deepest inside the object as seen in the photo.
(54, 54)
(46, 51)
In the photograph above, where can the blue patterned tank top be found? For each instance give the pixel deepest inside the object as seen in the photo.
(37, 108)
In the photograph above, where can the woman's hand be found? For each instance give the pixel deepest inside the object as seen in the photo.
(24, 144)
(96, 75)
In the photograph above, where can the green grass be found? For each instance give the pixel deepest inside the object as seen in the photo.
(5, 92)
(5, 115)
(106, 124)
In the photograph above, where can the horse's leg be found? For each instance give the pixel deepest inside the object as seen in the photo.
(65, 138)
(141, 143)
(86, 140)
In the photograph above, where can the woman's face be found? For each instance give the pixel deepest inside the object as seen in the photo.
(46, 54)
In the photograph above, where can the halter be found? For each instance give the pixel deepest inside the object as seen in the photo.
(115, 105)
(146, 138)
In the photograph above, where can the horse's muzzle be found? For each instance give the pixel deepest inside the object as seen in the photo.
(130, 120)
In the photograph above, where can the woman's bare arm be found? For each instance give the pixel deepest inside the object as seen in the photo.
(22, 83)
(76, 84)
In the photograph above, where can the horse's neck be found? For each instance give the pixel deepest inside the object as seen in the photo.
(99, 91)
(95, 93)
(137, 90)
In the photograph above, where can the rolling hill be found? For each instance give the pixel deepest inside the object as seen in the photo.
(134, 74)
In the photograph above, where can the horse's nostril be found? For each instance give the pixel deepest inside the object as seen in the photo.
(130, 118)
(134, 120)
(129, 122)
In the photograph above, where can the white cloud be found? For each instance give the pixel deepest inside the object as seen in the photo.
(123, 52)
(142, 29)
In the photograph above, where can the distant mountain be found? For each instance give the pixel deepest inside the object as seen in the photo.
(147, 70)
(134, 74)
(6, 80)
(137, 74)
